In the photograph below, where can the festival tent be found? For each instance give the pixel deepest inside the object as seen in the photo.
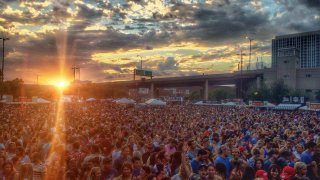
(304, 108)
(125, 101)
(230, 104)
(91, 99)
(269, 105)
(155, 102)
(199, 103)
(288, 107)
(66, 99)
(42, 101)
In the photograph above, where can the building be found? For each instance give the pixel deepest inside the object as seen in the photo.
(296, 60)
(307, 44)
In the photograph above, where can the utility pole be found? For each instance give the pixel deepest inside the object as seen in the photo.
(241, 70)
(249, 66)
(74, 68)
(37, 79)
(2, 65)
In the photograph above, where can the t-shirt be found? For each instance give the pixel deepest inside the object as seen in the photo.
(108, 175)
(195, 166)
(306, 157)
(224, 161)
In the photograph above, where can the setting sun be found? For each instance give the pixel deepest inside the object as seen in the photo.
(61, 84)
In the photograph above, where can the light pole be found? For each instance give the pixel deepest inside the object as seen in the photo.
(2, 65)
(140, 61)
(38, 79)
(250, 39)
(241, 69)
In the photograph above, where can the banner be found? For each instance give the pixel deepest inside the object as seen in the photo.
(293, 100)
(256, 103)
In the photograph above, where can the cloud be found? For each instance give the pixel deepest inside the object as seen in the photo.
(169, 64)
(207, 31)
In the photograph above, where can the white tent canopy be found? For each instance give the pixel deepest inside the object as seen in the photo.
(269, 105)
(155, 102)
(41, 100)
(125, 101)
(230, 104)
(91, 99)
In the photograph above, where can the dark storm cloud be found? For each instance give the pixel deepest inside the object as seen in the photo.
(311, 3)
(218, 25)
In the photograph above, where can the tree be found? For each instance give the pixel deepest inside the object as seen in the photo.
(14, 87)
(278, 90)
(222, 93)
(259, 94)
(195, 95)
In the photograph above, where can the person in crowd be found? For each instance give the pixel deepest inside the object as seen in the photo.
(221, 170)
(223, 158)
(108, 172)
(193, 150)
(272, 159)
(287, 173)
(258, 165)
(126, 172)
(9, 172)
(200, 159)
(261, 174)
(170, 141)
(300, 171)
(298, 150)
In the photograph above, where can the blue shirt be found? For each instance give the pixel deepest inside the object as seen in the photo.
(306, 157)
(195, 166)
(224, 161)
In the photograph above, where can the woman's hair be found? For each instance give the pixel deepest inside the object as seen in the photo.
(126, 165)
(299, 166)
(221, 169)
(146, 169)
(274, 167)
(11, 165)
(255, 164)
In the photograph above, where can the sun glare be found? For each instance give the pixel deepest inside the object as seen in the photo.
(61, 84)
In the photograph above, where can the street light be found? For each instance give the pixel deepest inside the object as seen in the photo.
(241, 65)
(2, 65)
(140, 61)
(250, 39)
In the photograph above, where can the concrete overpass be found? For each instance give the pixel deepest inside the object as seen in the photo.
(240, 79)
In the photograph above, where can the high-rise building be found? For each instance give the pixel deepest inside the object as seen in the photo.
(307, 44)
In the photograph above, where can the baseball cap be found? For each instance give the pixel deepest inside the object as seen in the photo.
(241, 148)
(262, 174)
(287, 172)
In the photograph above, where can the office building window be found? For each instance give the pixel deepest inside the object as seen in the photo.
(308, 75)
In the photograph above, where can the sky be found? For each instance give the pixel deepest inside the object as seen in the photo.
(107, 39)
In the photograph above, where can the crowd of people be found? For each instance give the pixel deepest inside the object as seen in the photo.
(104, 140)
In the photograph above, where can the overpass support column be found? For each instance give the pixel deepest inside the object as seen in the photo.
(258, 82)
(152, 90)
(206, 90)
